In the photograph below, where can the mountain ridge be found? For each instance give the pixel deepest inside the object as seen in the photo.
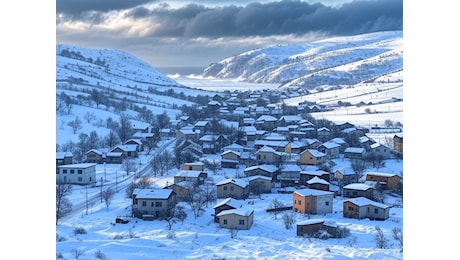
(332, 61)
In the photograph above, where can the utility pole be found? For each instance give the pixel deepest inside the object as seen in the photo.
(86, 188)
(105, 173)
(101, 189)
(116, 181)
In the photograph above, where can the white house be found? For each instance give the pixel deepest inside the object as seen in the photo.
(80, 173)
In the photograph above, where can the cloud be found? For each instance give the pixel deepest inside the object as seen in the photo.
(260, 19)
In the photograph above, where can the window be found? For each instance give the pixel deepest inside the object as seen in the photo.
(241, 221)
(151, 204)
(225, 222)
(144, 203)
(350, 208)
(80, 179)
(376, 211)
(158, 204)
(64, 171)
(231, 188)
(355, 193)
(327, 203)
(225, 187)
(299, 202)
(72, 171)
(80, 171)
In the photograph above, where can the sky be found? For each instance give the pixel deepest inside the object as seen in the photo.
(197, 33)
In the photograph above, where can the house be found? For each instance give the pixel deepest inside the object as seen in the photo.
(234, 188)
(197, 177)
(166, 133)
(193, 166)
(289, 175)
(388, 181)
(143, 136)
(240, 218)
(318, 184)
(187, 132)
(63, 158)
(114, 157)
(268, 170)
(152, 203)
(380, 150)
(312, 157)
(213, 143)
(289, 120)
(354, 153)
(137, 142)
(181, 189)
(266, 122)
(312, 201)
(233, 147)
(344, 176)
(226, 204)
(139, 126)
(309, 174)
(128, 150)
(313, 227)
(94, 156)
(331, 149)
(259, 184)
(230, 159)
(79, 173)
(354, 190)
(398, 143)
(361, 207)
(268, 155)
(295, 147)
(341, 142)
(203, 126)
(323, 134)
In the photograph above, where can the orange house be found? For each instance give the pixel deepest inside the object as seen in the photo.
(390, 180)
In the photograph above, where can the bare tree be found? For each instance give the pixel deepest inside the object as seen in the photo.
(397, 235)
(289, 220)
(63, 204)
(140, 183)
(358, 166)
(129, 165)
(196, 199)
(180, 213)
(107, 195)
(89, 117)
(77, 253)
(380, 240)
(276, 205)
(124, 128)
(75, 124)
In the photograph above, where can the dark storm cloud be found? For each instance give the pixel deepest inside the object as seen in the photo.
(255, 19)
(75, 8)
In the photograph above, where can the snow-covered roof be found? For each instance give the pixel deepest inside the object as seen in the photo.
(316, 179)
(152, 193)
(362, 201)
(240, 182)
(358, 186)
(312, 192)
(239, 211)
(77, 165)
(230, 202)
(265, 167)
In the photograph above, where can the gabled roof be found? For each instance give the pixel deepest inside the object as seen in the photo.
(230, 202)
(314, 152)
(316, 179)
(354, 150)
(188, 173)
(330, 145)
(239, 182)
(266, 167)
(362, 201)
(94, 151)
(61, 155)
(77, 165)
(239, 211)
(383, 174)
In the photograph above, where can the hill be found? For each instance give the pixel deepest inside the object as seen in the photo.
(332, 61)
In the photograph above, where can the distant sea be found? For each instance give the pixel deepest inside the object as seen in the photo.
(183, 71)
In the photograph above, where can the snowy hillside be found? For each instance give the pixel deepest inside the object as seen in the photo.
(333, 61)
